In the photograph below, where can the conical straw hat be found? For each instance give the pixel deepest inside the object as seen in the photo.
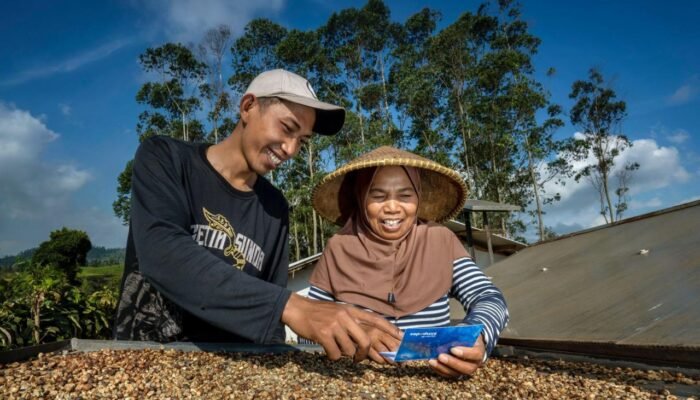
(443, 190)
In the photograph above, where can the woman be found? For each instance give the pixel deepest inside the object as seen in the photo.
(390, 259)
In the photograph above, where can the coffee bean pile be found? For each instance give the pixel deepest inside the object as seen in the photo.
(170, 374)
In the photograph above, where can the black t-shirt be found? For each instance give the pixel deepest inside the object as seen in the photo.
(204, 262)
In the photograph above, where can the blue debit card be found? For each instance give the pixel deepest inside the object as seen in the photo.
(428, 343)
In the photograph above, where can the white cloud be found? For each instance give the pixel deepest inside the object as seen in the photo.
(679, 136)
(38, 195)
(686, 92)
(65, 109)
(66, 65)
(187, 20)
(30, 185)
(660, 167)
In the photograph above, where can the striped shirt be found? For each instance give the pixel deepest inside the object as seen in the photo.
(482, 301)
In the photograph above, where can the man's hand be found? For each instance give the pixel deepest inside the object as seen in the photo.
(336, 327)
(381, 341)
(462, 361)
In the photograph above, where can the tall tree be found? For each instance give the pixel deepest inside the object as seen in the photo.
(213, 49)
(173, 98)
(538, 149)
(172, 101)
(599, 114)
(359, 43)
(66, 249)
(416, 90)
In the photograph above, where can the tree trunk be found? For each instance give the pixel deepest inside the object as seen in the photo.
(36, 313)
(607, 196)
(466, 137)
(386, 97)
(296, 240)
(184, 129)
(535, 187)
(313, 213)
(306, 235)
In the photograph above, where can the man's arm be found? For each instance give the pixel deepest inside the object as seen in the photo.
(279, 270)
(339, 328)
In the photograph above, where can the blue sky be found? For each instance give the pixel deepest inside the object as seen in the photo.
(69, 74)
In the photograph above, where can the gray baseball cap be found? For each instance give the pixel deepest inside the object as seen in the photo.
(292, 87)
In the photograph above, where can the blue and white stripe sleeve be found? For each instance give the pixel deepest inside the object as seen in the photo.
(482, 301)
(320, 294)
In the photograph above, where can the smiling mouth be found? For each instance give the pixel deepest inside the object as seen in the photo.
(391, 223)
(275, 160)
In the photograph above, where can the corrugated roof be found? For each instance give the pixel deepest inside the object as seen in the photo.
(633, 282)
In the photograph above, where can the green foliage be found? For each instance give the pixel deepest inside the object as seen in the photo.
(174, 98)
(122, 205)
(66, 250)
(39, 305)
(599, 115)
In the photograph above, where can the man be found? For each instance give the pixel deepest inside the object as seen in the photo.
(207, 250)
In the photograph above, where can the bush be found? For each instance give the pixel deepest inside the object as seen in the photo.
(40, 305)
(66, 249)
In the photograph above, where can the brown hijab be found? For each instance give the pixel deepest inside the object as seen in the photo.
(393, 277)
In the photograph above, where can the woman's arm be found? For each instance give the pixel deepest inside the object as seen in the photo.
(483, 302)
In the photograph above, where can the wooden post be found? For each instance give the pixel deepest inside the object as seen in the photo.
(488, 236)
(468, 230)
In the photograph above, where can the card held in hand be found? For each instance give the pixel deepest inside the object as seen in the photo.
(428, 343)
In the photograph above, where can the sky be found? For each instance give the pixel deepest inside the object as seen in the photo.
(69, 75)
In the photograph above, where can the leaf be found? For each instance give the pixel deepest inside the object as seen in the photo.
(219, 222)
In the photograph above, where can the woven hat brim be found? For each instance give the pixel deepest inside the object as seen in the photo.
(443, 190)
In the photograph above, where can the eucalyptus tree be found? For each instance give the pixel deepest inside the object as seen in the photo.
(417, 92)
(523, 117)
(538, 162)
(173, 98)
(359, 43)
(455, 55)
(599, 115)
(171, 101)
(213, 48)
(254, 52)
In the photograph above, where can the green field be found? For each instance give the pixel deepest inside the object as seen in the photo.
(97, 277)
(102, 271)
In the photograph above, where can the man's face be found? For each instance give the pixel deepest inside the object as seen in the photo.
(392, 203)
(275, 133)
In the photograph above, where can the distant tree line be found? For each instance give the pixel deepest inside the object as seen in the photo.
(97, 256)
(465, 95)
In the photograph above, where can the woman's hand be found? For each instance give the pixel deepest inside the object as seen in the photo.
(462, 360)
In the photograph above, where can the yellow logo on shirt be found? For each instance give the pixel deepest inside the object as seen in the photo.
(220, 223)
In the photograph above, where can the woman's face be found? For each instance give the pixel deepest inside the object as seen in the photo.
(392, 203)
